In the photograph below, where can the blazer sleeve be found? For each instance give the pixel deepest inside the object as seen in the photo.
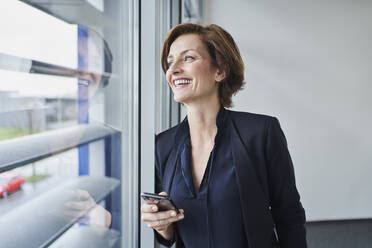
(286, 208)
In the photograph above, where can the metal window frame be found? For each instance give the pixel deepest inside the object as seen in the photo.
(122, 110)
(158, 110)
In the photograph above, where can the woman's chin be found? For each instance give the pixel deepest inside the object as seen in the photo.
(179, 99)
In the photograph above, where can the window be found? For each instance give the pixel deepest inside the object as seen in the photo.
(60, 66)
(73, 101)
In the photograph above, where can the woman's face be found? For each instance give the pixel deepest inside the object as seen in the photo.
(191, 74)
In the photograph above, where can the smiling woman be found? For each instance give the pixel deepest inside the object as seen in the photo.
(190, 73)
(221, 168)
(208, 47)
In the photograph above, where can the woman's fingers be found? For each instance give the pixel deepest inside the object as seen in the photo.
(79, 206)
(82, 195)
(149, 208)
(163, 223)
(163, 218)
(162, 215)
(159, 220)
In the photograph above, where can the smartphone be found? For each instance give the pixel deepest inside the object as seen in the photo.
(163, 202)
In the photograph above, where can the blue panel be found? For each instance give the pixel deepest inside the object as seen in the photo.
(83, 160)
(113, 170)
(83, 97)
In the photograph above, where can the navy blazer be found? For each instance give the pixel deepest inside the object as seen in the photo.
(272, 212)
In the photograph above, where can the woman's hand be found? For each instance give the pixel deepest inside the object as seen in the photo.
(161, 221)
(84, 205)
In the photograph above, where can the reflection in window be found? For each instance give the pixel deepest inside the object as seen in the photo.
(32, 103)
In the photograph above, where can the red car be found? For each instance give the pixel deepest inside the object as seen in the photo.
(9, 182)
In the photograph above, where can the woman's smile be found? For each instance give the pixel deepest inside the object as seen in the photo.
(180, 83)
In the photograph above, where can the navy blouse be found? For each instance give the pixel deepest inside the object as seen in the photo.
(213, 217)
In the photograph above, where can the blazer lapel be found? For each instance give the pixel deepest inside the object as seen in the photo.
(169, 171)
(170, 164)
(255, 208)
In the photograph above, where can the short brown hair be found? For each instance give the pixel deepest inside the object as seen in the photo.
(223, 51)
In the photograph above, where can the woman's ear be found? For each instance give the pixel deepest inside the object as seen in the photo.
(220, 75)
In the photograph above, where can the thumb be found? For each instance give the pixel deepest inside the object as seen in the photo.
(163, 193)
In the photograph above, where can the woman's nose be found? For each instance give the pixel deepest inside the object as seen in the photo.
(175, 68)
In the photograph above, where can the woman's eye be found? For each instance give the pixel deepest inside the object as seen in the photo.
(189, 58)
(169, 63)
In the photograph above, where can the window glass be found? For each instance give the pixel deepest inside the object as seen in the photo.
(30, 33)
(32, 103)
(56, 62)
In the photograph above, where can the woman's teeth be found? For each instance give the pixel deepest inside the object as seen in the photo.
(182, 82)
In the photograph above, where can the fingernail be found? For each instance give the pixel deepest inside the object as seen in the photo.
(154, 208)
(180, 217)
(173, 214)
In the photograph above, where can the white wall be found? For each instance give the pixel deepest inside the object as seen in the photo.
(309, 63)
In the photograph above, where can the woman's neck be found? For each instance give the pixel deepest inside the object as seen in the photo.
(202, 123)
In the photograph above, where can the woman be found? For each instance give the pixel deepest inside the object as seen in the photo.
(229, 173)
